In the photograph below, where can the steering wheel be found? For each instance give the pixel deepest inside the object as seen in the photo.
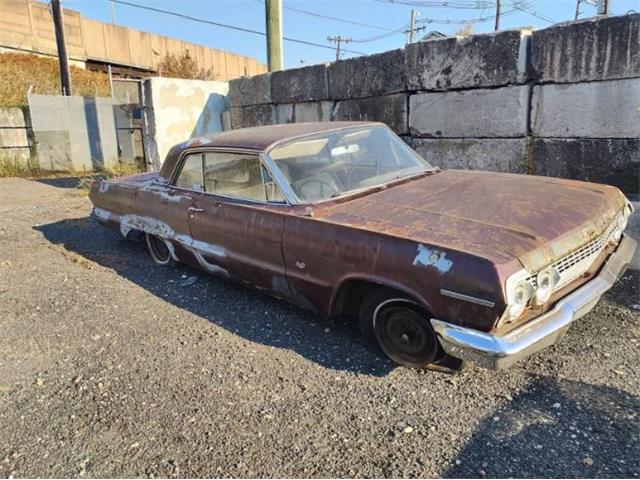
(316, 189)
(368, 159)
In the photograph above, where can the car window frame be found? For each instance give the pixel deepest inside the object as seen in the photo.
(294, 200)
(262, 160)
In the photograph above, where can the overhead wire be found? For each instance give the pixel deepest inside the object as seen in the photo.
(232, 27)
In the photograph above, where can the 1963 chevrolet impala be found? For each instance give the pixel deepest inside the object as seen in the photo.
(345, 218)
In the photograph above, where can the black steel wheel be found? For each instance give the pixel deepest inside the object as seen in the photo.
(159, 250)
(404, 334)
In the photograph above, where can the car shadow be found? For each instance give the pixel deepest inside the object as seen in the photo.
(253, 315)
(556, 428)
(66, 182)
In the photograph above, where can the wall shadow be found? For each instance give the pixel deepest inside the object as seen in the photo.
(93, 133)
(557, 428)
(240, 310)
(210, 119)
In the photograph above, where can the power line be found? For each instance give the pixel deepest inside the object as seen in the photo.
(328, 17)
(464, 5)
(525, 8)
(232, 27)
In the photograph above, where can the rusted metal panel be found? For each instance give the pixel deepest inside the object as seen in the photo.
(458, 231)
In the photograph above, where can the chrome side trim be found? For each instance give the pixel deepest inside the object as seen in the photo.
(467, 298)
(501, 351)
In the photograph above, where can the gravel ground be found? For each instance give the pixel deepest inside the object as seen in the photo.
(112, 366)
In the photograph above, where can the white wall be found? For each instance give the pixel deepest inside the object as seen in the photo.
(182, 109)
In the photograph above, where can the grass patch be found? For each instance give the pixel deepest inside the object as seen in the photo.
(18, 71)
(11, 166)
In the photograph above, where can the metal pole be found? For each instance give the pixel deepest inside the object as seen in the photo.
(273, 11)
(577, 10)
(497, 26)
(604, 7)
(65, 74)
(113, 13)
(412, 25)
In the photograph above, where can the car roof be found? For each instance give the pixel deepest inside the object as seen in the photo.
(254, 138)
(261, 138)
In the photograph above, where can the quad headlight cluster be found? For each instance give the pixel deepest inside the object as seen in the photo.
(621, 223)
(523, 291)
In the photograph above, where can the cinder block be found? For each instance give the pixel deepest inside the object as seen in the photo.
(498, 112)
(603, 160)
(252, 116)
(486, 60)
(368, 75)
(250, 90)
(313, 111)
(300, 84)
(284, 113)
(18, 154)
(601, 48)
(494, 154)
(389, 109)
(13, 137)
(609, 109)
(12, 117)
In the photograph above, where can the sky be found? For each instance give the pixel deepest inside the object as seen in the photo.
(377, 18)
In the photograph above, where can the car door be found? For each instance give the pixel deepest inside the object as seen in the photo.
(237, 223)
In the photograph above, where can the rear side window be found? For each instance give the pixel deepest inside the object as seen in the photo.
(191, 174)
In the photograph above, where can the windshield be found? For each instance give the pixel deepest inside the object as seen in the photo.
(327, 165)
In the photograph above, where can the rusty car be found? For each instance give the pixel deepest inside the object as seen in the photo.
(344, 218)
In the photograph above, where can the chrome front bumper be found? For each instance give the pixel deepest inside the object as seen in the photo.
(498, 352)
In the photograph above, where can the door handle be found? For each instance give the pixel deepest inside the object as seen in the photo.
(194, 210)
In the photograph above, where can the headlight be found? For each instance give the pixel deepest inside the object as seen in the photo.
(619, 230)
(546, 281)
(521, 295)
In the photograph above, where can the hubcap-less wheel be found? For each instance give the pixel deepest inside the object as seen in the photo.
(405, 335)
(158, 250)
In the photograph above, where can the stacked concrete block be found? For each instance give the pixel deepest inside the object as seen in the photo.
(585, 109)
(471, 94)
(495, 154)
(561, 101)
(477, 113)
(14, 134)
(389, 109)
(478, 61)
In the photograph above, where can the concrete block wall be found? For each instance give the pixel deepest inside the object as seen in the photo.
(585, 107)
(15, 134)
(563, 101)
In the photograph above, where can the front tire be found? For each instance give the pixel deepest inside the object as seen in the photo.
(159, 250)
(400, 328)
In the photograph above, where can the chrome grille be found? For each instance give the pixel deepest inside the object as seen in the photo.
(579, 261)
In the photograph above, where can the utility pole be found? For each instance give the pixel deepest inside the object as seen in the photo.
(412, 26)
(497, 26)
(273, 13)
(604, 7)
(63, 60)
(577, 10)
(338, 40)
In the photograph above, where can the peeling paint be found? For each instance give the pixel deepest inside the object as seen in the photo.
(165, 232)
(432, 258)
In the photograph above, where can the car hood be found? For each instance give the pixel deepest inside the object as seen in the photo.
(498, 216)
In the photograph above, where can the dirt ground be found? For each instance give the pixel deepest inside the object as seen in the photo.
(113, 366)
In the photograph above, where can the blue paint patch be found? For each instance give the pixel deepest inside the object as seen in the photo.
(432, 258)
